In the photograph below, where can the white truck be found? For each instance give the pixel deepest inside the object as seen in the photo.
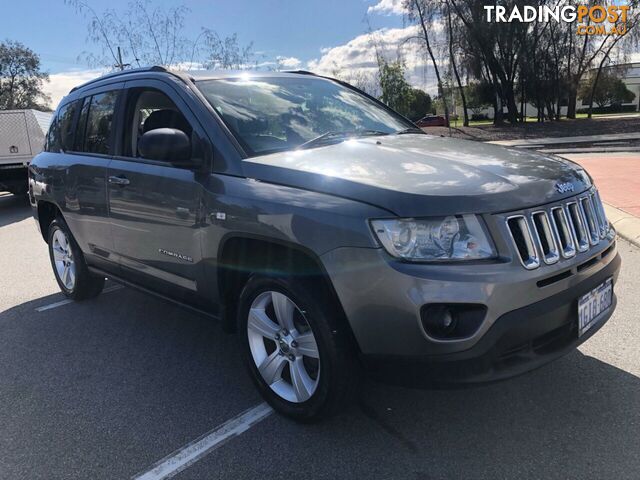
(22, 134)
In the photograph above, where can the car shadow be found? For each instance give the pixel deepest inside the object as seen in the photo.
(13, 208)
(576, 418)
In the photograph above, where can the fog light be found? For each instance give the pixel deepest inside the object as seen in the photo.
(438, 320)
(452, 321)
(447, 319)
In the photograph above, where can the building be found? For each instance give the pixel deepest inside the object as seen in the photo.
(630, 75)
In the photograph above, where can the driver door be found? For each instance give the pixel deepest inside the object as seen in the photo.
(155, 206)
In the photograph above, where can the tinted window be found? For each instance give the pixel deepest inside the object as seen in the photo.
(269, 114)
(82, 125)
(53, 137)
(65, 120)
(97, 133)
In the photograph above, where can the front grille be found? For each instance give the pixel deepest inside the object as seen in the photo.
(560, 230)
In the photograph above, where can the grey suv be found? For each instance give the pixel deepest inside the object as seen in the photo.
(327, 230)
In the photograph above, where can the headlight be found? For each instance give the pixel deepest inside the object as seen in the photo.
(451, 238)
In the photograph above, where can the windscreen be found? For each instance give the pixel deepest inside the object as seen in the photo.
(271, 114)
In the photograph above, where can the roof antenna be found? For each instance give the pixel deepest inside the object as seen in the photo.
(121, 65)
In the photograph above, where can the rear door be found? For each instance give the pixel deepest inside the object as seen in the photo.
(87, 136)
(155, 207)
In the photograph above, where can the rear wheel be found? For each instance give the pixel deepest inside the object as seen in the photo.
(69, 266)
(303, 368)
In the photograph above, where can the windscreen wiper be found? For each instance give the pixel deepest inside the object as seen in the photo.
(409, 130)
(332, 135)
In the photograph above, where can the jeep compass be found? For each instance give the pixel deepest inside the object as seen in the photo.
(332, 235)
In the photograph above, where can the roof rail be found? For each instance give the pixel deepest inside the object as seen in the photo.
(155, 68)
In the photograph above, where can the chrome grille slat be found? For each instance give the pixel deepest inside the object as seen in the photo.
(602, 216)
(522, 238)
(561, 230)
(578, 226)
(545, 237)
(590, 219)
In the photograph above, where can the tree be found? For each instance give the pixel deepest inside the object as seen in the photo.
(396, 91)
(423, 13)
(144, 34)
(453, 47)
(479, 96)
(21, 79)
(224, 53)
(610, 90)
(420, 104)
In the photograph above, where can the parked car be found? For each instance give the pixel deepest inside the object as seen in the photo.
(21, 138)
(332, 235)
(432, 121)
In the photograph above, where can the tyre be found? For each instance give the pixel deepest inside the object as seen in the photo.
(304, 368)
(69, 266)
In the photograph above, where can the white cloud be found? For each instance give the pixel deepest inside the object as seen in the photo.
(61, 83)
(359, 55)
(389, 7)
(289, 62)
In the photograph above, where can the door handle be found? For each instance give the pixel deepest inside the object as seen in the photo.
(119, 180)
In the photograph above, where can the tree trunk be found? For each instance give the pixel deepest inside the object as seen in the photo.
(498, 117)
(550, 113)
(512, 107)
(573, 100)
(433, 59)
(523, 98)
(455, 70)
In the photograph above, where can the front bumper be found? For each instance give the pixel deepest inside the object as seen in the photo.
(526, 324)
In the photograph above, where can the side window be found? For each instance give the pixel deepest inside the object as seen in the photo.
(60, 136)
(78, 145)
(98, 138)
(53, 137)
(150, 109)
(65, 120)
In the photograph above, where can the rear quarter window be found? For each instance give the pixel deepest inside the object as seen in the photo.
(61, 131)
(66, 119)
(52, 143)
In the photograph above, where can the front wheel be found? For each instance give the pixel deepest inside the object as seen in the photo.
(303, 368)
(69, 267)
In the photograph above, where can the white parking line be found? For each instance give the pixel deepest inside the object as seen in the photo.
(68, 300)
(194, 451)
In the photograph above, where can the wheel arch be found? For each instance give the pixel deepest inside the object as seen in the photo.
(244, 255)
(47, 213)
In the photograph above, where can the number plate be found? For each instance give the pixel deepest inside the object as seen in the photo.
(591, 305)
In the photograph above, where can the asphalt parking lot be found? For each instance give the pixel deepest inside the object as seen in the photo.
(106, 388)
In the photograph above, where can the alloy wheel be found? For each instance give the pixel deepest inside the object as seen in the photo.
(63, 259)
(283, 346)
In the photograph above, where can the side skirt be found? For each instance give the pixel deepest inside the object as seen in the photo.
(140, 288)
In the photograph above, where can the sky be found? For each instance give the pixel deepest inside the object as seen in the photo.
(320, 35)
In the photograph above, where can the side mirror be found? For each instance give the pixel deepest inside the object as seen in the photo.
(166, 145)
